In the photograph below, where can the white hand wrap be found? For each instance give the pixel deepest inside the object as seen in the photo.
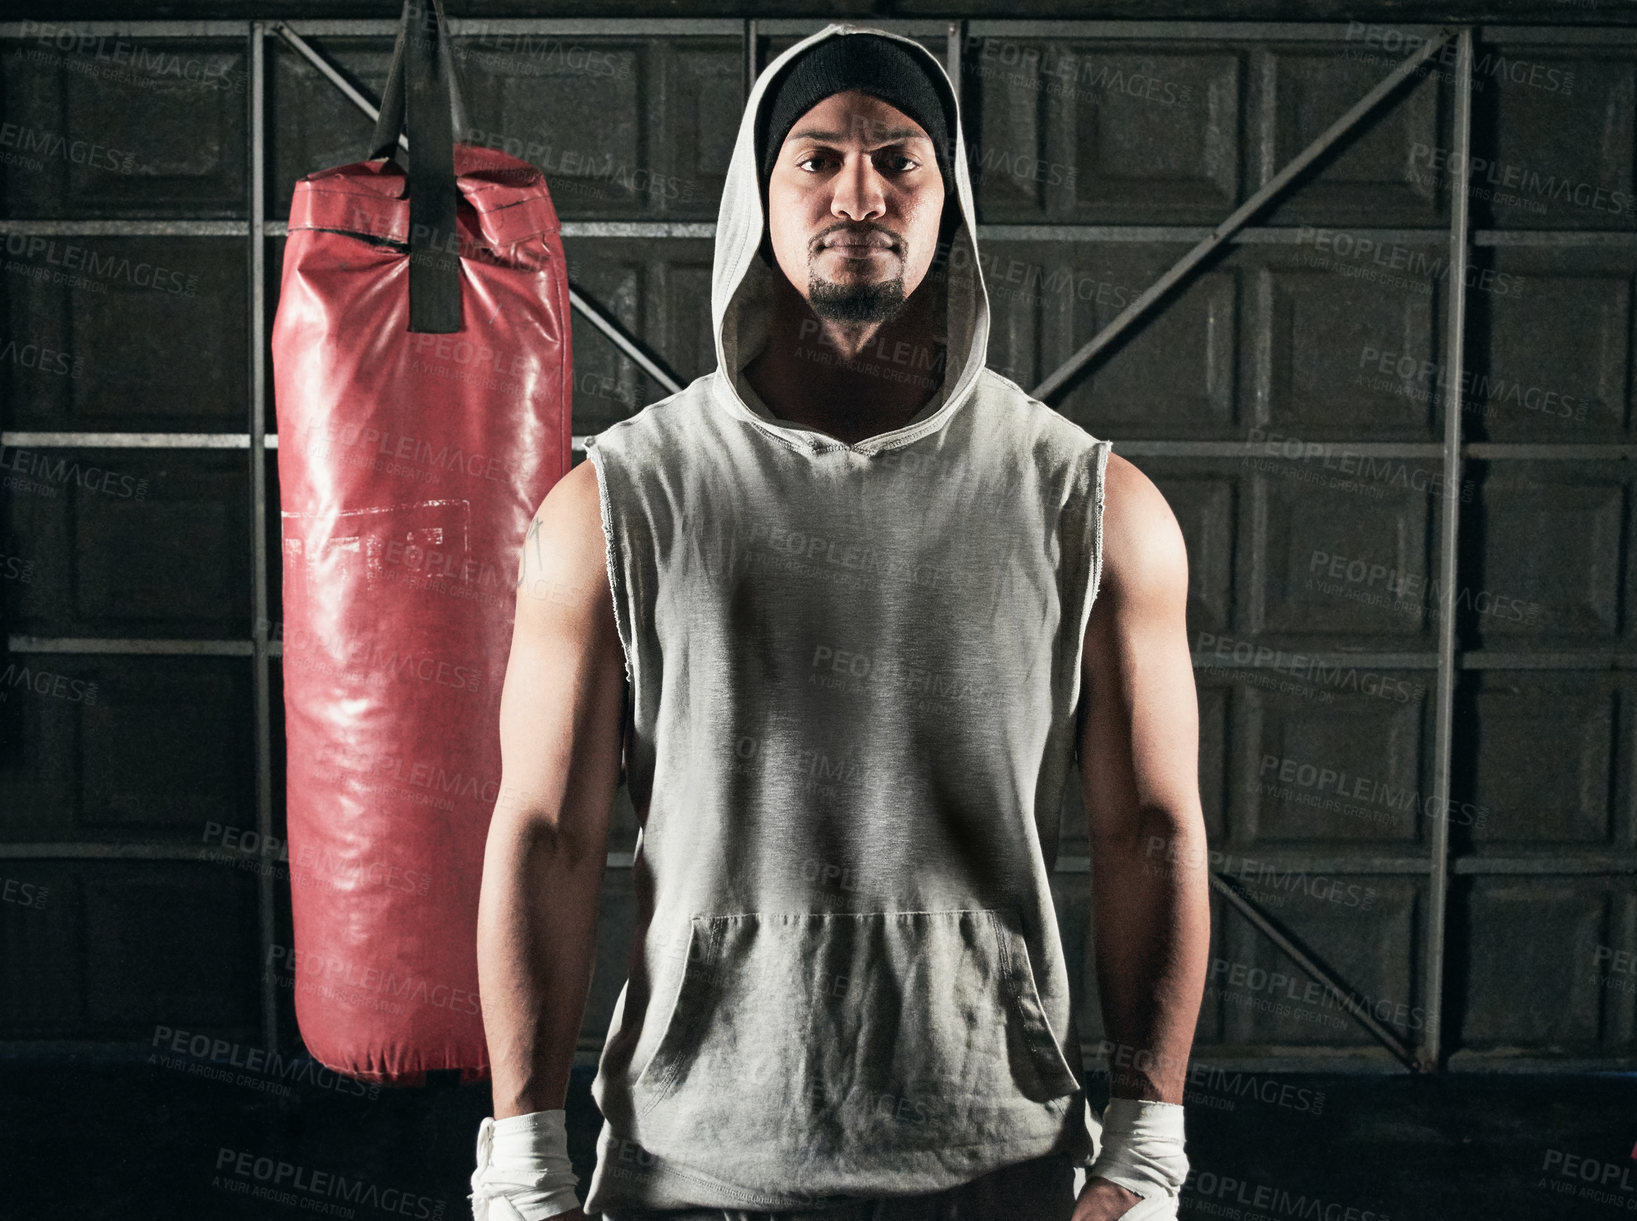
(523, 1172)
(1141, 1151)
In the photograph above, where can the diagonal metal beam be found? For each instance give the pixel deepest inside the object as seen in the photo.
(1329, 982)
(1238, 217)
(1060, 376)
(598, 317)
(609, 326)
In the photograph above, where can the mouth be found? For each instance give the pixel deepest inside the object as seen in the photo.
(858, 245)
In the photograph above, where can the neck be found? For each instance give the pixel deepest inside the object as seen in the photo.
(849, 380)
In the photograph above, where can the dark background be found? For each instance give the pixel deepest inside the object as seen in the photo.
(1491, 945)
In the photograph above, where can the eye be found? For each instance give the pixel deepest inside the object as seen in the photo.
(803, 160)
(900, 162)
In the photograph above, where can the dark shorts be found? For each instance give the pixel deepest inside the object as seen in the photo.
(1038, 1190)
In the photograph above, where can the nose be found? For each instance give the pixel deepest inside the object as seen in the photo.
(857, 190)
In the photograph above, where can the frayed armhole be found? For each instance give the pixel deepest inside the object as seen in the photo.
(610, 556)
(1104, 448)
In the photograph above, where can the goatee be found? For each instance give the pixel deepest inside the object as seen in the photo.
(856, 302)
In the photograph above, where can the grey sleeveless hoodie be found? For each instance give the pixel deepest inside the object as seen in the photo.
(854, 672)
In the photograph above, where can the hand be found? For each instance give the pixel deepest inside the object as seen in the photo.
(1101, 1200)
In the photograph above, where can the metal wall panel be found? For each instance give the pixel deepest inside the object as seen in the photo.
(1554, 569)
(1082, 131)
(654, 290)
(1263, 1000)
(1556, 358)
(124, 749)
(107, 315)
(1288, 397)
(128, 542)
(160, 135)
(1560, 148)
(1332, 774)
(114, 949)
(1552, 762)
(1371, 178)
(1529, 984)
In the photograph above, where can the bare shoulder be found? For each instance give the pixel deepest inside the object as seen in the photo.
(564, 561)
(1144, 556)
(574, 504)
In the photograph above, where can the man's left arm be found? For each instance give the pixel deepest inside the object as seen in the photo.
(1139, 767)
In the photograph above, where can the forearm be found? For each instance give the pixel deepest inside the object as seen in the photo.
(537, 926)
(1152, 933)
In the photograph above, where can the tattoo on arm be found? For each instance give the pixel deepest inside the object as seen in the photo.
(531, 539)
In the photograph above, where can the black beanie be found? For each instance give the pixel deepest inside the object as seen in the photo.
(869, 63)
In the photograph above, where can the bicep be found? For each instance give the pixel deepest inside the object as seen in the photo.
(1140, 733)
(562, 703)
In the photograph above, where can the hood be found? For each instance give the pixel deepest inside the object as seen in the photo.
(741, 283)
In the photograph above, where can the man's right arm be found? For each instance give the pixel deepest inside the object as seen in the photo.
(560, 740)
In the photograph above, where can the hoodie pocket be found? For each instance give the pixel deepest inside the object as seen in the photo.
(854, 1035)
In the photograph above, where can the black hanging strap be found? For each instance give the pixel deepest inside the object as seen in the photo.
(421, 88)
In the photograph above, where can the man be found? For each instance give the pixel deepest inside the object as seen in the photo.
(869, 606)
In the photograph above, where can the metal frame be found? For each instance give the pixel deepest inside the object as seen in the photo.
(261, 680)
(1455, 282)
(1259, 199)
(1234, 230)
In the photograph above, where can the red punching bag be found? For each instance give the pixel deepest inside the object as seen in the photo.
(421, 367)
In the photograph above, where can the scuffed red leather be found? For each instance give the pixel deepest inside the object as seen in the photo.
(409, 468)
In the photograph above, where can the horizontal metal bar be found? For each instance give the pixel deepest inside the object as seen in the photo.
(1553, 237)
(1528, 450)
(1184, 31)
(1536, 659)
(1375, 661)
(1284, 860)
(127, 440)
(1247, 235)
(1354, 1061)
(700, 230)
(1502, 452)
(127, 29)
(127, 851)
(212, 854)
(1503, 1062)
(132, 227)
(1361, 1061)
(1594, 35)
(631, 27)
(1520, 451)
(1488, 659)
(674, 27)
(1546, 863)
(678, 229)
(583, 27)
(913, 27)
(1270, 449)
(114, 646)
(1058, 232)
(1287, 859)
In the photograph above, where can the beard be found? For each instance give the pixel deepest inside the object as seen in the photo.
(867, 303)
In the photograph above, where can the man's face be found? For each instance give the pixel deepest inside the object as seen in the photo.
(853, 203)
